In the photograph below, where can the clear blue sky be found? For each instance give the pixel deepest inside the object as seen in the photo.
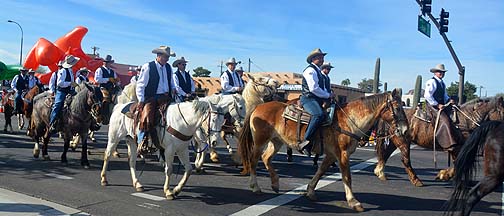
(276, 35)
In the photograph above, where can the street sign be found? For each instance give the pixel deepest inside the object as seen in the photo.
(424, 26)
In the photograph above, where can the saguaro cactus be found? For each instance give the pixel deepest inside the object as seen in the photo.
(376, 80)
(417, 91)
(385, 87)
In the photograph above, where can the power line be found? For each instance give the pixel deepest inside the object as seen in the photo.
(262, 70)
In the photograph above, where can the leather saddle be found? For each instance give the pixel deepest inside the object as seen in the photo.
(296, 113)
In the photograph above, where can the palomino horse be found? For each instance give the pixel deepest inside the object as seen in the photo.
(232, 105)
(183, 118)
(8, 105)
(28, 106)
(256, 90)
(422, 132)
(488, 139)
(77, 118)
(266, 124)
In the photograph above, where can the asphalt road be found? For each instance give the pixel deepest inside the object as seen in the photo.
(222, 190)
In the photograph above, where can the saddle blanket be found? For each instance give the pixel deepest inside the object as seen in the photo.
(296, 113)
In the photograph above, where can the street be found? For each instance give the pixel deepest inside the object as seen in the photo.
(221, 190)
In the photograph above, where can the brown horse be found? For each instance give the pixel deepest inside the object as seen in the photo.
(8, 105)
(422, 132)
(265, 124)
(28, 106)
(489, 139)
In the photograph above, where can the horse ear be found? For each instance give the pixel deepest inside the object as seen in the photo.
(397, 92)
(90, 88)
(250, 77)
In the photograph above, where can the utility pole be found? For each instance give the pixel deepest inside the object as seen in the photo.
(221, 66)
(442, 30)
(249, 65)
(95, 49)
(480, 90)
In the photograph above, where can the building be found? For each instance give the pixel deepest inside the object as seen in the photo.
(408, 97)
(290, 86)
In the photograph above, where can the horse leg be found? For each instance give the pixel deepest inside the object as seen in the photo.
(84, 152)
(132, 159)
(93, 139)
(347, 182)
(66, 145)
(405, 158)
(169, 155)
(256, 153)
(200, 158)
(267, 157)
(20, 121)
(315, 161)
(383, 152)
(289, 154)
(326, 162)
(75, 142)
(45, 144)
(106, 158)
(484, 187)
(214, 156)
(184, 158)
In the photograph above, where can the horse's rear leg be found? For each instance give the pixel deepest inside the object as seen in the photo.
(405, 158)
(184, 158)
(267, 157)
(326, 163)
(169, 155)
(484, 187)
(45, 144)
(383, 152)
(36, 149)
(256, 154)
(75, 142)
(84, 152)
(347, 182)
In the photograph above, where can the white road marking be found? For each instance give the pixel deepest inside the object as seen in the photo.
(292, 195)
(58, 176)
(148, 196)
(3, 163)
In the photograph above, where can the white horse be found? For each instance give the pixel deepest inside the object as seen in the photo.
(234, 105)
(185, 118)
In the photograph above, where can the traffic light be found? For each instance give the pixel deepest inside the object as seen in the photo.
(426, 6)
(443, 20)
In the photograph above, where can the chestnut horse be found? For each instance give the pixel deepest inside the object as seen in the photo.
(489, 139)
(266, 124)
(422, 132)
(28, 106)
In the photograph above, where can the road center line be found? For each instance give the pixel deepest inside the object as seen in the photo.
(148, 196)
(292, 195)
(58, 176)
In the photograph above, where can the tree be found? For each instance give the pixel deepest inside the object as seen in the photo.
(469, 90)
(201, 72)
(367, 85)
(345, 82)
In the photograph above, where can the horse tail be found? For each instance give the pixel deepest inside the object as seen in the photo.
(465, 165)
(245, 145)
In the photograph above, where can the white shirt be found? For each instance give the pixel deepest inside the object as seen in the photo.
(32, 81)
(312, 80)
(14, 81)
(430, 88)
(143, 79)
(62, 76)
(180, 91)
(99, 75)
(225, 82)
(52, 82)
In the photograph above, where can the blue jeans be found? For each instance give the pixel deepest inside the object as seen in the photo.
(312, 106)
(59, 100)
(19, 102)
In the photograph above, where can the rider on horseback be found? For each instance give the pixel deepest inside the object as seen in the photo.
(231, 81)
(82, 75)
(33, 80)
(154, 89)
(106, 77)
(314, 92)
(20, 85)
(63, 86)
(183, 81)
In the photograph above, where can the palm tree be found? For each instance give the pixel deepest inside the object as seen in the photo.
(345, 82)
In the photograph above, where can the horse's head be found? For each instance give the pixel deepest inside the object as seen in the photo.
(107, 105)
(263, 86)
(237, 111)
(394, 112)
(497, 113)
(95, 101)
(215, 123)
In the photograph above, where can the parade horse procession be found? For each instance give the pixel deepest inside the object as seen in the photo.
(260, 128)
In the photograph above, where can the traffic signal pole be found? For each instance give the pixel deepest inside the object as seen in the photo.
(460, 67)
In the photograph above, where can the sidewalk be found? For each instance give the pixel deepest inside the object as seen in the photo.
(12, 203)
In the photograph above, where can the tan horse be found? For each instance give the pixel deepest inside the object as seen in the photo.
(266, 124)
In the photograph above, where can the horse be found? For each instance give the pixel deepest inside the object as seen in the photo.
(184, 118)
(257, 89)
(265, 124)
(28, 107)
(422, 132)
(232, 105)
(8, 105)
(86, 107)
(488, 139)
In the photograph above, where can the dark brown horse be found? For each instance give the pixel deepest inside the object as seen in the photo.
(489, 139)
(8, 106)
(422, 132)
(265, 124)
(86, 107)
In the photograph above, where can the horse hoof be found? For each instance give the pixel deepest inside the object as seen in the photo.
(176, 192)
(139, 189)
(358, 208)
(200, 171)
(104, 183)
(418, 184)
(36, 153)
(46, 157)
(257, 192)
(214, 160)
(289, 159)
(170, 197)
(93, 139)
(311, 196)
(382, 177)
(275, 188)
(116, 154)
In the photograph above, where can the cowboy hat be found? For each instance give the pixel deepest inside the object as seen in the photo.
(60, 63)
(23, 69)
(178, 61)
(83, 69)
(231, 61)
(239, 69)
(31, 71)
(326, 65)
(164, 50)
(132, 71)
(108, 58)
(439, 67)
(313, 53)
(70, 61)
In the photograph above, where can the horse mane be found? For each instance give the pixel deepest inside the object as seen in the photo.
(79, 102)
(373, 101)
(200, 107)
(214, 99)
(128, 94)
(41, 95)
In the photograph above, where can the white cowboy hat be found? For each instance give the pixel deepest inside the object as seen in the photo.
(239, 69)
(178, 61)
(83, 69)
(313, 53)
(23, 69)
(108, 58)
(325, 65)
(164, 50)
(70, 61)
(439, 67)
(31, 71)
(231, 61)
